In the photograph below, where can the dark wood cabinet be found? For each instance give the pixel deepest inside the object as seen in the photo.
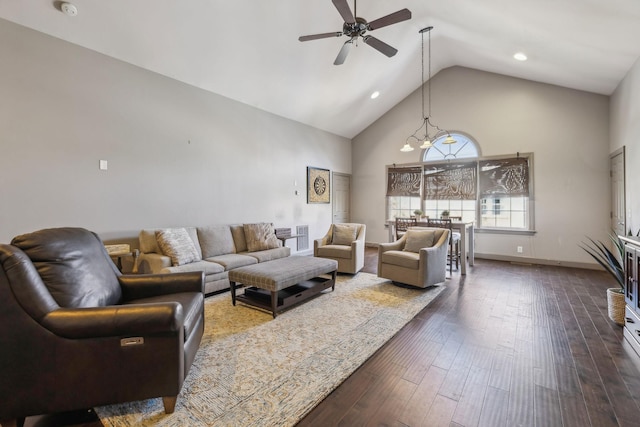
(632, 310)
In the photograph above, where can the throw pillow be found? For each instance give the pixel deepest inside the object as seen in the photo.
(177, 245)
(343, 234)
(148, 242)
(417, 239)
(260, 237)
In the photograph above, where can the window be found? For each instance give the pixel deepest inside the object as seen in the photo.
(403, 207)
(495, 192)
(403, 191)
(452, 187)
(464, 148)
(504, 188)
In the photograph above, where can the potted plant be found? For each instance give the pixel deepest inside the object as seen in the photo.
(418, 213)
(444, 214)
(613, 264)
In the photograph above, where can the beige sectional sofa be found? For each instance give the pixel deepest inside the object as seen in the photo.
(213, 249)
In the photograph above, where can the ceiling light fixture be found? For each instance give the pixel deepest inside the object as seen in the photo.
(520, 56)
(375, 94)
(69, 9)
(425, 140)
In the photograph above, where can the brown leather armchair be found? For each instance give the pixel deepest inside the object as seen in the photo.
(75, 333)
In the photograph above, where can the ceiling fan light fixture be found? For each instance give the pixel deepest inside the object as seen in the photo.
(356, 27)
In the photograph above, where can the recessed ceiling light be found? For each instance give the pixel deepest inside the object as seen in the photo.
(375, 94)
(520, 56)
(68, 9)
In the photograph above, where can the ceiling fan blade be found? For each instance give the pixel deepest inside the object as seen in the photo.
(399, 16)
(319, 36)
(344, 51)
(345, 11)
(380, 46)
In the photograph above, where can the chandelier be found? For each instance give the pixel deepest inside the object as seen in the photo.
(423, 136)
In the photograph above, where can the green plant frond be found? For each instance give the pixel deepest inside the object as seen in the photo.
(607, 259)
(619, 244)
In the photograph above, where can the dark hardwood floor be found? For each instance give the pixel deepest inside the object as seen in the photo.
(506, 345)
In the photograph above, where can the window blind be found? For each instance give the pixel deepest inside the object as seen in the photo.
(504, 177)
(404, 181)
(451, 181)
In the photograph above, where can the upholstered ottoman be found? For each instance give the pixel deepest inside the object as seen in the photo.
(279, 284)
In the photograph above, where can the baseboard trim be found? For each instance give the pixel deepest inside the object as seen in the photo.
(538, 261)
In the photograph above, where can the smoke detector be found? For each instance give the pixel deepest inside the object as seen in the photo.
(68, 9)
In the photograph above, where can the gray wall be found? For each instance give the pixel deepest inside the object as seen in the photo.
(176, 155)
(567, 130)
(625, 132)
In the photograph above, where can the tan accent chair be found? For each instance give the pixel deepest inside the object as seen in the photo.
(345, 244)
(419, 258)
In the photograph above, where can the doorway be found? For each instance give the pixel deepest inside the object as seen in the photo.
(341, 198)
(618, 207)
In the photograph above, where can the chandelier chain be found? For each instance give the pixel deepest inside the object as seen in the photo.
(426, 118)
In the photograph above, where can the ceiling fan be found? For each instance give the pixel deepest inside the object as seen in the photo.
(355, 27)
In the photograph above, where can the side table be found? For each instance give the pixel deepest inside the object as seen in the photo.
(284, 237)
(117, 252)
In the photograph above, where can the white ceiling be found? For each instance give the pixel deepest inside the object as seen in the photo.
(249, 50)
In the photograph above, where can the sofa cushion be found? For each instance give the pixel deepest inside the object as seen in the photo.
(343, 234)
(260, 236)
(177, 245)
(417, 239)
(402, 259)
(230, 261)
(215, 240)
(237, 231)
(206, 266)
(271, 254)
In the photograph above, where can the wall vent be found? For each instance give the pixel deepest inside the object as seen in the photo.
(303, 240)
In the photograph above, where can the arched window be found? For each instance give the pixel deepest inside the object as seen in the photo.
(494, 192)
(464, 148)
(450, 179)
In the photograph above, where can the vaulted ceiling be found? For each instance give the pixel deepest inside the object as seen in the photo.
(249, 50)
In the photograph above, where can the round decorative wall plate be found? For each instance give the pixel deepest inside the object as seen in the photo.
(318, 184)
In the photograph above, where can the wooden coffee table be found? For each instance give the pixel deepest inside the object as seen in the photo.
(282, 283)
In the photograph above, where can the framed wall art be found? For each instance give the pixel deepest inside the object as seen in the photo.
(318, 185)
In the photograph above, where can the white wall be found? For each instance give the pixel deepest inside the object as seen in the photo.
(176, 155)
(567, 130)
(625, 132)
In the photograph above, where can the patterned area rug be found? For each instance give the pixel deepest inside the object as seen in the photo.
(253, 370)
